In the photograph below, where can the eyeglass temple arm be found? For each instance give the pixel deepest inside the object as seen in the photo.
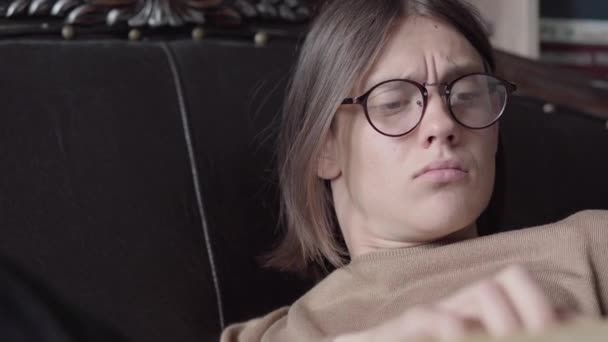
(351, 100)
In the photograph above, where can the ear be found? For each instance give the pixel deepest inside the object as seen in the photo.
(328, 167)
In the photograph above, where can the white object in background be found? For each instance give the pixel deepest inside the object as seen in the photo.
(514, 25)
(574, 31)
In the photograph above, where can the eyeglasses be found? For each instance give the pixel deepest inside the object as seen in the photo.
(396, 107)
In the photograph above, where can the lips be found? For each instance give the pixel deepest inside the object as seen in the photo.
(448, 166)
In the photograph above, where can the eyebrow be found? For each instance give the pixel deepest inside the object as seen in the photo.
(452, 73)
(460, 70)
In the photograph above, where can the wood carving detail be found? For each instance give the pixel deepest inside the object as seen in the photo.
(159, 13)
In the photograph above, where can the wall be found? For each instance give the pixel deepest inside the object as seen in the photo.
(513, 24)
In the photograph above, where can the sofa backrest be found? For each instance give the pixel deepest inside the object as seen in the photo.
(137, 179)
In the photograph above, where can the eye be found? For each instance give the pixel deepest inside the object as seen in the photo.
(394, 105)
(394, 98)
(468, 96)
(388, 103)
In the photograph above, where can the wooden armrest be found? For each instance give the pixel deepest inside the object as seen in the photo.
(555, 85)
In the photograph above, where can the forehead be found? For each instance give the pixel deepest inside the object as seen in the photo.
(425, 50)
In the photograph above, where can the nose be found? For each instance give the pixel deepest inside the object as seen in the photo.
(438, 125)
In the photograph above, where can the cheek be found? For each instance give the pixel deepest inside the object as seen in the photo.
(367, 157)
(486, 144)
(486, 148)
(493, 141)
(364, 155)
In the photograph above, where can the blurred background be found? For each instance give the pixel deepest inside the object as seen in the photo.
(570, 33)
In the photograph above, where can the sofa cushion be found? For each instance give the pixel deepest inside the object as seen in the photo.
(97, 195)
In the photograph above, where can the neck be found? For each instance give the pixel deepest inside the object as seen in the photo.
(358, 247)
(469, 232)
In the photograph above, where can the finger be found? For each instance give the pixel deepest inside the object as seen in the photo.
(529, 301)
(487, 303)
(431, 322)
(462, 303)
(453, 328)
(567, 315)
(497, 314)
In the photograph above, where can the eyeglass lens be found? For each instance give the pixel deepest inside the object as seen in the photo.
(476, 101)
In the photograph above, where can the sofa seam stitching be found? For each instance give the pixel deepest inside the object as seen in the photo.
(194, 171)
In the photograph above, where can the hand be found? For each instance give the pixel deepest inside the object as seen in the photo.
(507, 303)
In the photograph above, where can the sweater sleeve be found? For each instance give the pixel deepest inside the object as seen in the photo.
(596, 224)
(253, 330)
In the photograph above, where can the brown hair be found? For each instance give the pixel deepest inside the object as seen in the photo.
(342, 44)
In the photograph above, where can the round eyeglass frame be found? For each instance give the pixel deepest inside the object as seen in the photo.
(362, 100)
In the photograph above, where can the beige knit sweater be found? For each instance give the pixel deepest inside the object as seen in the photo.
(569, 259)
